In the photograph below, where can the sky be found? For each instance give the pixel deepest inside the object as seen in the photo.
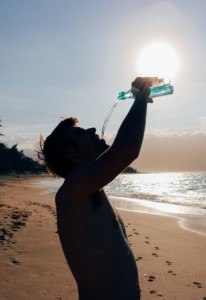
(71, 58)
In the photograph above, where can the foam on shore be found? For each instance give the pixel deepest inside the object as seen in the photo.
(190, 218)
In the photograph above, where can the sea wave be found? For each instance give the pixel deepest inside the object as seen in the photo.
(188, 189)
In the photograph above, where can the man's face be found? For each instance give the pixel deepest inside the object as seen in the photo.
(87, 142)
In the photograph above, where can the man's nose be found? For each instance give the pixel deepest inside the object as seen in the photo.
(91, 130)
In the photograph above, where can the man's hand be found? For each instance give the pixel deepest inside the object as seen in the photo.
(141, 85)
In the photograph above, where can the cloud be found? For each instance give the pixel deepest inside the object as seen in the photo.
(173, 150)
(180, 149)
(175, 132)
(161, 133)
(202, 123)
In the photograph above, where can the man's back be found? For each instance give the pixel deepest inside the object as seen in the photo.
(96, 248)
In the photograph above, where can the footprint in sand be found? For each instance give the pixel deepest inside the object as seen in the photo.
(15, 262)
(155, 254)
(138, 258)
(151, 278)
(197, 284)
(16, 219)
(48, 207)
(17, 225)
(155, 293)
(168, 262)
(172, 273)
(147, 238)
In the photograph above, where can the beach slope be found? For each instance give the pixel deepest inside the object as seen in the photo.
(171, 260)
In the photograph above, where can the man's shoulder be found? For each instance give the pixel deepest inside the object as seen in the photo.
(67, 196)
(63, 193)
(66, 188)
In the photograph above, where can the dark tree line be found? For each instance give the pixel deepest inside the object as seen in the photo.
(0, 126)
(130, 170)
(13, 160)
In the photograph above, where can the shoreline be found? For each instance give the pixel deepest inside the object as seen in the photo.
(171, 261)
(188, 217)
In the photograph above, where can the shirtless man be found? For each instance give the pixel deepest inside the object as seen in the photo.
(92, 234)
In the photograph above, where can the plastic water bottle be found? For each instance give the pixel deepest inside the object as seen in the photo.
(155, 91)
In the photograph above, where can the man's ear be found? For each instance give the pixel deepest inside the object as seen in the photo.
(72, 154)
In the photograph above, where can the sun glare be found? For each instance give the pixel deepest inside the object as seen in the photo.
(158, 59)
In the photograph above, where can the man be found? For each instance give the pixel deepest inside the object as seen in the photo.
(92, 234)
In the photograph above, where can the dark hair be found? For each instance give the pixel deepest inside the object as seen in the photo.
(53, 147)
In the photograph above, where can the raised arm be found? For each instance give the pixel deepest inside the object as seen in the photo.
(95, 174)
(131, 132)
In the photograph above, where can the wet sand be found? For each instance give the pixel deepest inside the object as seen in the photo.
(191, 218)
(170, 259)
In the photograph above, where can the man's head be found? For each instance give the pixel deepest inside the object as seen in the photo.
(69, 146)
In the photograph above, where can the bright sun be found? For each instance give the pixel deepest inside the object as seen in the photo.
(158, 59)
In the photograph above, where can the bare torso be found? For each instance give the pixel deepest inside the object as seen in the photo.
(96, 248)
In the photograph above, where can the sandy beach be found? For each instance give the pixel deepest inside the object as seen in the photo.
(171, 260)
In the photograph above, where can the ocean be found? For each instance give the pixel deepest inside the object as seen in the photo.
(178, 194)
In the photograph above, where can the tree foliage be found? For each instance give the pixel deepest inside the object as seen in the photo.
(0, 131)
(14, 161)
(130, 170)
